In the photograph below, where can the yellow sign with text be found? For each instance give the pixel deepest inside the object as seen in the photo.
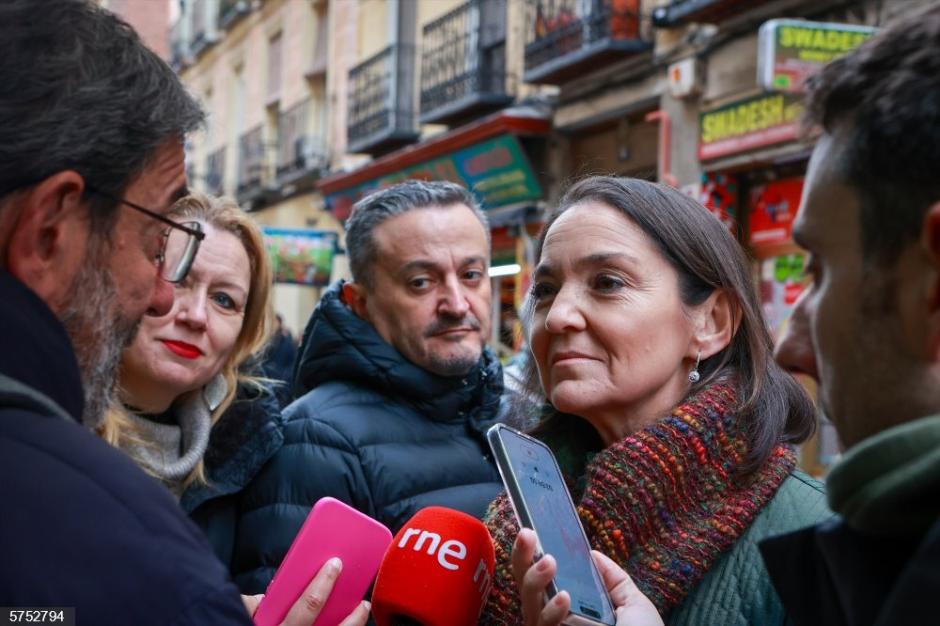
(790, 51)
(747, 124)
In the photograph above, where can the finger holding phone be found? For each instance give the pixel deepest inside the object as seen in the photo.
(632, 607)
(308, 606)
(333, 532)
(583, 587)
(541, 502)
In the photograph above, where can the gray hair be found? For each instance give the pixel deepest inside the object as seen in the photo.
(396, 200)
(82, 92)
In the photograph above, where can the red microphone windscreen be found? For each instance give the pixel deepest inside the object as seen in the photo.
(437, 572)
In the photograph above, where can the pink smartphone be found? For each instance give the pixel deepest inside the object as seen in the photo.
(331, 529)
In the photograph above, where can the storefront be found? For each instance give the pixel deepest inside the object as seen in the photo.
(497, 158)
(754, 163)
(754, 160)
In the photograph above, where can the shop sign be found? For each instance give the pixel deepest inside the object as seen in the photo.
(496, 171)
(748, 124)
(783, 281)
(773, 208)
(301, 256)
(789, 51)
(718, 193)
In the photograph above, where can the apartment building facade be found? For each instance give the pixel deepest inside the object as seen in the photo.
(260, 70)
(316, 102)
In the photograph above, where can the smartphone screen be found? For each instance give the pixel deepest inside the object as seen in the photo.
(545, 501)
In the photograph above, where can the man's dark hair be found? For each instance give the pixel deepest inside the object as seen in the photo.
(395, 200)
(80, 91)
(885, 98)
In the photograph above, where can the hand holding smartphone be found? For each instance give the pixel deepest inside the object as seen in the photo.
(332, 529)
(541, 501)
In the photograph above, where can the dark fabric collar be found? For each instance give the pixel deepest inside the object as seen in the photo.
(889, 482)
(241, 442)
(338, 345)
(835, 575)
(34, 348)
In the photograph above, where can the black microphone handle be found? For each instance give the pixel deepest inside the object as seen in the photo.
(404, 620)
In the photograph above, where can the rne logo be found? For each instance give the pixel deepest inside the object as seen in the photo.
(449, 553)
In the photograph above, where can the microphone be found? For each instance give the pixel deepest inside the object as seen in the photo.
(437, 572)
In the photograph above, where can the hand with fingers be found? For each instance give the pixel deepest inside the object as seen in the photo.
(312, 600)
(633, 608)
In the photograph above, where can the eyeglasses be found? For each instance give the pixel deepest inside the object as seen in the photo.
(180, 241)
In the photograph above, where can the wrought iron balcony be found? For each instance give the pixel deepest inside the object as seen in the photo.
(568, 38)
(463, 65)
(190, 170)
(251, 164)
(381, 101)
(199, 28)
(230, 11)
(684, 11)
(204, 20)
(215, 172)
(301, 148)
(179, 45)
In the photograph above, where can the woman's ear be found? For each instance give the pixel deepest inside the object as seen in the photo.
(716, 321)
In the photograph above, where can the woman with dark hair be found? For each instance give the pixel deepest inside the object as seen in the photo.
(663, 405)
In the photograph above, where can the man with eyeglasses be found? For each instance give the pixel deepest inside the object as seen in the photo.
(91, 160)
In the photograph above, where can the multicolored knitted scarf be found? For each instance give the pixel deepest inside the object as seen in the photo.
(664, 503)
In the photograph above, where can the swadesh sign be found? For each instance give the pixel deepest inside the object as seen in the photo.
(789, 51)
(747, 124)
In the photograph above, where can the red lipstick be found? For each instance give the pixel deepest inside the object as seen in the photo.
(181, 348)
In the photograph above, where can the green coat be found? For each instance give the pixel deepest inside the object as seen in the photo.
(737, 590)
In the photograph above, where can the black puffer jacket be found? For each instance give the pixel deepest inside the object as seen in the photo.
(240, 443)
(373, 430)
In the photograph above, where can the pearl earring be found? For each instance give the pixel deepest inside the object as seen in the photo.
(694, 376)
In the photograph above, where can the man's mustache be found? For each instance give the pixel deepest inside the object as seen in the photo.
(444, 324)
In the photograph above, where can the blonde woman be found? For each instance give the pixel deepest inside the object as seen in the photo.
(191, 413)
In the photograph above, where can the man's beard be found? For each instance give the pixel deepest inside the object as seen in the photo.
(99, 333)
(459, 364)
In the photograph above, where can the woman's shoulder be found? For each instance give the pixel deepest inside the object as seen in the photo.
(737, 590)
(800, 482)
(799, 502)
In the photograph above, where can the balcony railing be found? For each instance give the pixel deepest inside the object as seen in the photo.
(301, 149)
(684, 11)
(230, 11)
(199, 20)
(250, 162)
(381, 101)
(215, 172)
(568, 38)
(179, 45)
(190, 170)
(204, 20)
(463, 65)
